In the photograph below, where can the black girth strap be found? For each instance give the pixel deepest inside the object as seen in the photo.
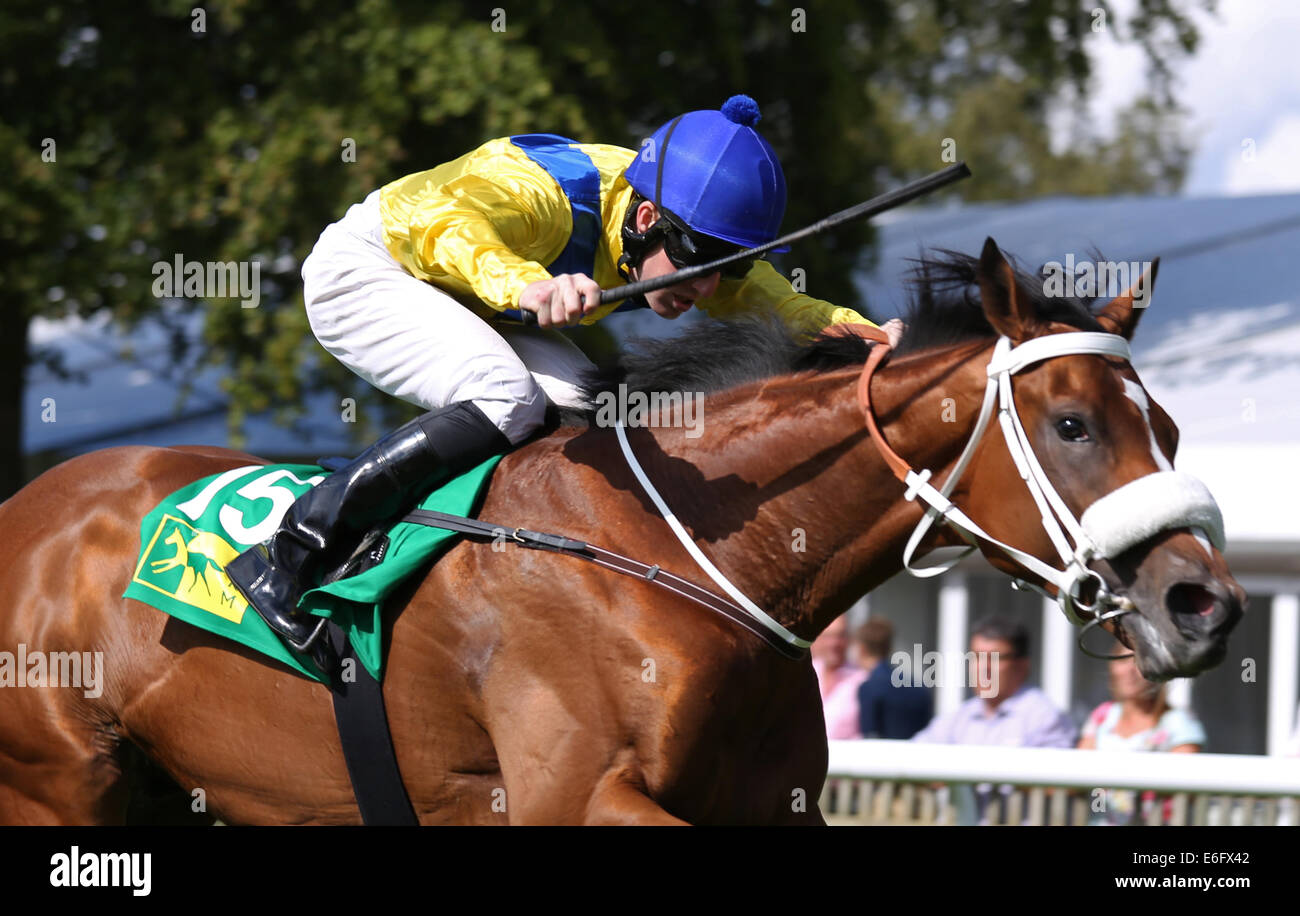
(367, 745)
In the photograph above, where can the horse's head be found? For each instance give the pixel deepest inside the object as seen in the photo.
(1088, 423)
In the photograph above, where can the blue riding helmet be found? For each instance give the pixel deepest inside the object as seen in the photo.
(715, 173)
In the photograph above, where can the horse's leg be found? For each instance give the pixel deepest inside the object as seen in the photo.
(59, 745)
(69, 540)
(56, 765)
(556, 768)
(562, 792)
(619, 801)
(560, 758)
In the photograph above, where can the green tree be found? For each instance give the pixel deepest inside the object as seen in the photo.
(133, 131)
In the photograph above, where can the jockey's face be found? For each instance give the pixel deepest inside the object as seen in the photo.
(677, 299)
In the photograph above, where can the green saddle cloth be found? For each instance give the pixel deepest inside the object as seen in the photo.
(187, 540)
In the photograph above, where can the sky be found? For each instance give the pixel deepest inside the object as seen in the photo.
(1242, 85)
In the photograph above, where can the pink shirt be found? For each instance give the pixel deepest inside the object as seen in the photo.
(839, 690)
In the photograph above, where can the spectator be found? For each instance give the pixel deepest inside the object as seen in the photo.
(838, 680)
(888, 707)
(1004, 710)
(1138, 718)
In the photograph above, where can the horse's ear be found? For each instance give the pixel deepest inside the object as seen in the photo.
(1009, 309)
(1121, 314)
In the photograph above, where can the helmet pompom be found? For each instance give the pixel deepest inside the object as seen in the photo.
(741, 109)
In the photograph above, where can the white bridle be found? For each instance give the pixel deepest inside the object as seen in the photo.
(1127, 516)
(1130, 514)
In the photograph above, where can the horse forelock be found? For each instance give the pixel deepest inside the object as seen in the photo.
(944, 306)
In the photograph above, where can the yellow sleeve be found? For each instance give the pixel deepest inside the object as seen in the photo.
(483, 226)
(765, 290)
(456, 237)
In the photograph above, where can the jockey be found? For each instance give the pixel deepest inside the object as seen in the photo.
(415, 290)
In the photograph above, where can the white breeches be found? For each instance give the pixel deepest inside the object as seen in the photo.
(416, 342)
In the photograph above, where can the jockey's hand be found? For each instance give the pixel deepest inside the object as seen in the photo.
(894, 327)
(561, 300)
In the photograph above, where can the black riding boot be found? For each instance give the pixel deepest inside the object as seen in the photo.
(407, 462)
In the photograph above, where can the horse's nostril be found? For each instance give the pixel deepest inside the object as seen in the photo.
(1191, 599)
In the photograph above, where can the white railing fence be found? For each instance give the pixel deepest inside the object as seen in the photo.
(901, 782)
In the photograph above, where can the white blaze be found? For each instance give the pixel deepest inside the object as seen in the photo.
(1137, 394)
(1204, 541)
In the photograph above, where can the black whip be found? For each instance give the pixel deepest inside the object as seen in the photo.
(868, 208)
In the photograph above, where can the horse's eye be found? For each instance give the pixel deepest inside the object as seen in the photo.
(1071, 429)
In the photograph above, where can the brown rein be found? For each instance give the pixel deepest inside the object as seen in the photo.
(877, 356)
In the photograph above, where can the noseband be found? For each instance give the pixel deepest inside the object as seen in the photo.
(1129, 515)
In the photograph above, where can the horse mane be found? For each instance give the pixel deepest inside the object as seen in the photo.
(714, 355)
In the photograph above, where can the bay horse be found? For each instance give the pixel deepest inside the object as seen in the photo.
(526, 687)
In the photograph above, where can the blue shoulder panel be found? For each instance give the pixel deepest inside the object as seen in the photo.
(580, 181)
(578, 177)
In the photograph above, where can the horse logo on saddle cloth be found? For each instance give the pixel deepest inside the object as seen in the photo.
(191, 535)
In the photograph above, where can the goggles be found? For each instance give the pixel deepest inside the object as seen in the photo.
(689, 249)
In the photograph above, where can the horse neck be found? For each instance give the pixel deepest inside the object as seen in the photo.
(789, 496)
